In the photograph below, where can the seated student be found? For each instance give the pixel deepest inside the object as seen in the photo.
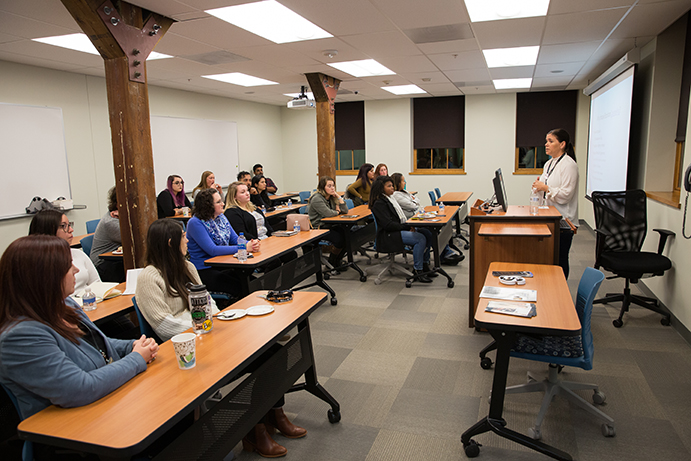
(243, 215)
(172, 199)
(359, 191)
(411, 205)
(107, 238)
(54, 222)
(326, 203)
(50, 352)
(392, 231)
(161, 286)
(261, 198)
(271, 187)
(381, 170)
(208, 181)
(245, 177)
(210, 234)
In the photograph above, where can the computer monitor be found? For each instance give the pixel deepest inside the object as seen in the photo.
(499, 190)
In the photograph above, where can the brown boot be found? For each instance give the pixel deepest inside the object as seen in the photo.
(275, 418)
(260, 441)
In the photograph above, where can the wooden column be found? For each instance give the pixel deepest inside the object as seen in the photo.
(324, 89)
(125, 36)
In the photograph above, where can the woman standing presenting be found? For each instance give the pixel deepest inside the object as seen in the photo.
(559, 186)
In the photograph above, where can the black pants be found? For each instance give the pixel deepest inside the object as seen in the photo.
(336, 236)
(224, 281)
(111, 271)
(565, 239)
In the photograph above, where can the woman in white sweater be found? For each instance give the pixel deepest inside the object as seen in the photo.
(161, 287)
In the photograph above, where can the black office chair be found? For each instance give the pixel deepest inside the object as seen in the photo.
(621, 226)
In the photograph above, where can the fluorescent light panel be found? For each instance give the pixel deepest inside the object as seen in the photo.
(80, 42)
(270, 20)
(404, 89)
(510, 57)
(237, 78)
(363, 68)
(495, 10)
(512, 83)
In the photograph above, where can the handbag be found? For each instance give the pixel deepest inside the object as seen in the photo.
(302, 219)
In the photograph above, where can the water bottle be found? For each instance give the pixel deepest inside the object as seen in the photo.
(200, 308)
(296, 226)
(534, 202)
(290, 202)
(264, 209)
(242, 247)
(88, 300)
(441, 207)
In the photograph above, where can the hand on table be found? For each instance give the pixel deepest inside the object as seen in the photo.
(146, 347)
(254, 245)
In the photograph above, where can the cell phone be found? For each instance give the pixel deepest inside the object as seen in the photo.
(527, 274)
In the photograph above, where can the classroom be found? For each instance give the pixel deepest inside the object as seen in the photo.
(284, 141)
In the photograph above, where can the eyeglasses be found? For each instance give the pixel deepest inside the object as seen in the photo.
(177, 183)
(65, 226)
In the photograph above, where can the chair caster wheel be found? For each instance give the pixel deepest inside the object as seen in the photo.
(535, 433)
(486, 363)
(599, 398)
(617, 323)
(450, 284)
(363, 278)
(377, 282)
(408, 284)
(334, 301)
(665, 321)
(472, 449)
(466, 246)
(608, 430)
(327, 276)
(334, 416)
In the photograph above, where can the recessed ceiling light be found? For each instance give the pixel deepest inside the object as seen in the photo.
(494, 10)
(511, 83)
(309, 95)
(558, 71)
(237, 78)
(510, 57)
(80, 42)
(270, 20)
(404, 89)
(363, 68)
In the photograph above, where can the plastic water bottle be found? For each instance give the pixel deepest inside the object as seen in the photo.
(534, 202)
(264, 209)
(242, 247)
(290, 202)
(441, 207)
(200, 309)
(88, 300)
(296, 226)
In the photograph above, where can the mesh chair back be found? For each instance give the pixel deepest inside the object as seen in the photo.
(587, 289)
(623, 216)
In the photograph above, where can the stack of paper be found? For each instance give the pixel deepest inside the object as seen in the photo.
(517, 309)
(508, 294)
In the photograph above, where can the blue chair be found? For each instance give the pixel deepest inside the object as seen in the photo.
(144, 326)
(87, 244)
(304, 196)
(303, 210)
(392, 264)
(438, 192)
(92, 225)
(28, 448)
(432, 197)
(349, 203)
(587, 289)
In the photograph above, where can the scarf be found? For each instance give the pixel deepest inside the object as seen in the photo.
(219, 230)
(397, 207)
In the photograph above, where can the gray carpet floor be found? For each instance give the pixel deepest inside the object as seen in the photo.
(404, 367)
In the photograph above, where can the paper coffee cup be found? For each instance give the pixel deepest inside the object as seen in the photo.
(185, 353)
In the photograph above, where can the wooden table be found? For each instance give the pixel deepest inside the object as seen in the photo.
(511, 236)
(110, 256)
(442, 231)
(77, 240)
(181, 217)
(459, 199)
(130, 418)
(556, 316)
(287, 275)
(354, 240)
(112, 307)
(283, 197)
(277, 217)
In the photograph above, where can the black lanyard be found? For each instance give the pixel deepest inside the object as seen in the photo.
(549, 172)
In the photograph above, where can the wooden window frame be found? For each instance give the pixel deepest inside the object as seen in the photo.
(338, 164)
(447, 170)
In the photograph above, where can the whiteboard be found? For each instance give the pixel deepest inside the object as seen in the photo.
(188, 147)
(32, 148)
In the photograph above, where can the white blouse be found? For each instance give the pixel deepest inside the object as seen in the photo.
(562, 180)
(87, 271)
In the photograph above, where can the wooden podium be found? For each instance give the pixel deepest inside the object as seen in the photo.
(511, 236)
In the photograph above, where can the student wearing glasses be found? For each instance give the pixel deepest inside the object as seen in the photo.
(172, 199)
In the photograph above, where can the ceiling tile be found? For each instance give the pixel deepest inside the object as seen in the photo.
(29, 28)
(643, 20)
(470, 75)
(581, 27)
(567, 52)
(412, 14)
(217, 33)
(341, 18)
(567, 69)
(47, 11)
(486, 89)
(383, 44)
(542, 82)
(512, 72)
(440, 89)
(409, 64)
(509, 33)
(52, 53)
(571, 6)
(459, 61)
(455, 46)
(177, 45)
(278, 55)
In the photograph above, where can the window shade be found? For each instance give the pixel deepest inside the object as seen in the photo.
(439, 122)
(349, 125)
(539, 113)
(683, 116)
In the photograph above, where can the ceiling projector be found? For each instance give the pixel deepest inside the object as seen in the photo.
(301, 104)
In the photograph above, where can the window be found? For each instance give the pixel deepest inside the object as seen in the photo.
(438, 135)
(349, 126)
(536, 115)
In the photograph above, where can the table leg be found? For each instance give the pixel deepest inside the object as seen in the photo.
(494, 421)
(439, 235)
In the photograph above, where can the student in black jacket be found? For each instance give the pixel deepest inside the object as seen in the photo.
(172, 199)
(261, 198)
(393, 233)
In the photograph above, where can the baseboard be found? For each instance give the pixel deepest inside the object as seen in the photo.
(674, 321)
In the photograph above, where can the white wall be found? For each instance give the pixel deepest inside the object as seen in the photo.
(83, 100)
